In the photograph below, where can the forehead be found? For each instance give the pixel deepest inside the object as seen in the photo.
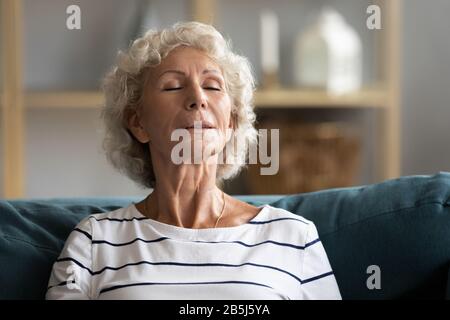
(183, 56)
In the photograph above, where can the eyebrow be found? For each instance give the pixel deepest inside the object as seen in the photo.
(182, 73)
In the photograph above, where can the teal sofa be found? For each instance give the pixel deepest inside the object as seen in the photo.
(400, 225)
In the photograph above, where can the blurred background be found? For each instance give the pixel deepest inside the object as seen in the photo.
(358, 89)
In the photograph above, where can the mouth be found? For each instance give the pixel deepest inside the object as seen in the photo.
(189, 128)
(201, 125)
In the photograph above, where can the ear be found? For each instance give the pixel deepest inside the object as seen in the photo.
(134, 125)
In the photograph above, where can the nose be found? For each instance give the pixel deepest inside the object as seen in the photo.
(196, 98)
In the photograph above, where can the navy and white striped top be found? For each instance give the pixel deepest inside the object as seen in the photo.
(124, 255)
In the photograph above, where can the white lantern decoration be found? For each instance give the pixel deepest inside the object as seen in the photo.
(328, 55)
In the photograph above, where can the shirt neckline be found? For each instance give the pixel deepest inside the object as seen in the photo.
(170, 229)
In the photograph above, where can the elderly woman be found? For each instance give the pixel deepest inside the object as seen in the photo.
(187, 239)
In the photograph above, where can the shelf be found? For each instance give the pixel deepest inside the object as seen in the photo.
(290, 98)
(298, 98)
(64, 99)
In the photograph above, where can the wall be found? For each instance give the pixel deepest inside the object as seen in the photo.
(426, 84)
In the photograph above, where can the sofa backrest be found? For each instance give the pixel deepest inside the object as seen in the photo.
(401, 226)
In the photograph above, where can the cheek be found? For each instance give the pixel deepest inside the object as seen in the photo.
(159, 107)
(225, 110)
(225, 118)
(159, 110)
(158, 124)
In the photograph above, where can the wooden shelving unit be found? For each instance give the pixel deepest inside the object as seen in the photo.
(296, 98)
(384, 97)
(12, 107)
(280, 98)
(64, 99)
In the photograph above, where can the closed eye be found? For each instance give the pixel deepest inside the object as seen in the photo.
(172, 89)
(212, 88)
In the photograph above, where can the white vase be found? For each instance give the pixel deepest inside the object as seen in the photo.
(328, 55)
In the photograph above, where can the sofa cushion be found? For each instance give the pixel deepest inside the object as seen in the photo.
(32, 234)
(400, 225)
(447, 297)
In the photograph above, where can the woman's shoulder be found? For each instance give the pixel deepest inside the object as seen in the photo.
(281, 213)
(267, 214)
(123, 214)
(282, 225)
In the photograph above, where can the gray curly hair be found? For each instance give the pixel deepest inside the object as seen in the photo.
(123, 87)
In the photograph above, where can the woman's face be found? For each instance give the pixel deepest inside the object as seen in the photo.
(187, 86)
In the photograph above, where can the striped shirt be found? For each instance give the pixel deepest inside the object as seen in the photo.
(124, 255)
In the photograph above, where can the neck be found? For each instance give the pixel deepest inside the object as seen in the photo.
(185, 195)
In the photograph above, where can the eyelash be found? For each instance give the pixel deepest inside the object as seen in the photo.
(178, 88)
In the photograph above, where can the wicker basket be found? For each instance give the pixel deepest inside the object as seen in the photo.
(313, 156)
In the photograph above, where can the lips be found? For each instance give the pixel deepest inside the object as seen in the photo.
(201, 125)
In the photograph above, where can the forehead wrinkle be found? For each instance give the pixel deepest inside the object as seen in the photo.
(172, 71)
